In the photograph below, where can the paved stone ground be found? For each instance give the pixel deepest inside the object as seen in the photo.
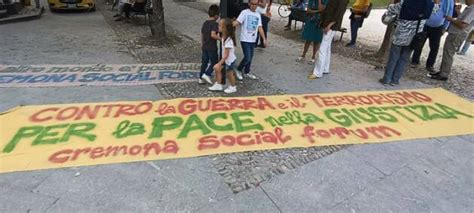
(428, 175)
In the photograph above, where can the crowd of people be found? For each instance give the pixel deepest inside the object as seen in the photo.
(415, 22)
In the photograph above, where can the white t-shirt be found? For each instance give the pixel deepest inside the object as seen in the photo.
(229, 44)
(250, 21)
(261, 10)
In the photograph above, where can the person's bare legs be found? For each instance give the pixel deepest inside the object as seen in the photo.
(305, 49)
(218, 75)
(313, 59)
(231, 77)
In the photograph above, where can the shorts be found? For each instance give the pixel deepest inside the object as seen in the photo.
(229, 68)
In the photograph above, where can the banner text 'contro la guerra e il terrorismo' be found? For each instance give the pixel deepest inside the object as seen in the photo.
(54, 136)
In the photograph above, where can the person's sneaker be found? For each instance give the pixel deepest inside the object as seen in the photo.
(231, 89)
(206, 79)
(414, 65)
(116, 15)
(312, 61)
(119, 19)
(238, 75)
(216, 87)
(300, 59)
(383, 82)
(438, 77)
(200, 81)
(350, 44)
(430, 74)
(394, 84)
(251, 76)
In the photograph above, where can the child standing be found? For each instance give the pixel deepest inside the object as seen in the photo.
(251, 23)
(227, 63)
(209, 37)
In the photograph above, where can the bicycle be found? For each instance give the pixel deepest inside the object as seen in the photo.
(284, 9)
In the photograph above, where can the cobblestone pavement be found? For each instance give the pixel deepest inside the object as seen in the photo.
(426, 175)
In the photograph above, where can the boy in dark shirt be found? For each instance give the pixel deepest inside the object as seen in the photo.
(209, 37)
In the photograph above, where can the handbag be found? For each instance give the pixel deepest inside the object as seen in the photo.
(418, 40)
(388, 19)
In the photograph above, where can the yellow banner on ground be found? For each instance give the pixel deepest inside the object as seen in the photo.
(54, 136)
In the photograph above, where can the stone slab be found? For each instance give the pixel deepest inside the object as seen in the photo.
(64, 205)
(253, 200)
(390, 157)
(322, 184)
(19, 200)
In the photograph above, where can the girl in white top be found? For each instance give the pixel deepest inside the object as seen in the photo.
(227, 63)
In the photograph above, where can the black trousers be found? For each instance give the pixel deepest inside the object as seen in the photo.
(138, 7)
(434, 34)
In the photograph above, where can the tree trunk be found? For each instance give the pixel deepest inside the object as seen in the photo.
(157, 20)
(382, 53)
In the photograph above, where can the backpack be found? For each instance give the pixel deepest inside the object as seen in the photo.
(369, 9)
(412, 9)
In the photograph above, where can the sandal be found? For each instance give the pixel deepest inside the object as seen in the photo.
(312, 77)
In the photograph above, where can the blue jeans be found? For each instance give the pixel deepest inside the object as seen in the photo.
(208, 56)
(397, 63)
(265, 21)
(356, 23)
(247, 49)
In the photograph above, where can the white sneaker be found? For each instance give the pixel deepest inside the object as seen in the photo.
(239, 76)
(231, 89)
(200, 81)
(216, 87)
(251, 76)
(206, 79)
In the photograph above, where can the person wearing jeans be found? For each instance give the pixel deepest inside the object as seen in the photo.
(208, 60)
(408, 21)
(359, 10)
(209, 37)
(248, 50)
(397, 63)
(250, 22)
(434, 28)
